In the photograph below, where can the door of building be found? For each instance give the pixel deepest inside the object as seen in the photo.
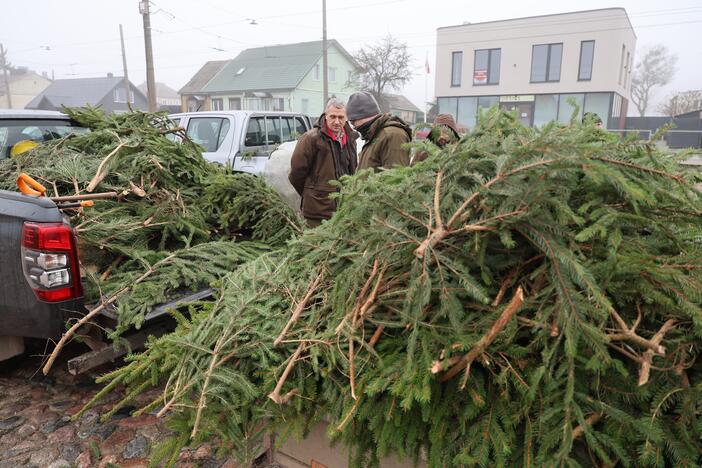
(525, 111)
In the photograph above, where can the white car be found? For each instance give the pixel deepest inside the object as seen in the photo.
(243, 140)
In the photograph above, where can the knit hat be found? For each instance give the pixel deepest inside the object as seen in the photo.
(361, 105)
(447, 119)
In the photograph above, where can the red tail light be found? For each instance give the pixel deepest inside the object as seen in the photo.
(50, 261)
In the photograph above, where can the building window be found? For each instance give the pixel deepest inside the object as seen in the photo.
(545, 108)
(234, 103)
(119, 95)
(349, 76)
(305, 106)
(598, 104)
(217, 104)
(587, 54)
(466, 111)
(456, 65)
(278, 104)
(486, 67)
(546, 63)
(332, 75)
(566, 109)
(622, 64)
(316, 72)
(486, 102)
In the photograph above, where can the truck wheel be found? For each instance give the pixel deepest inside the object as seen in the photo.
(11, 346)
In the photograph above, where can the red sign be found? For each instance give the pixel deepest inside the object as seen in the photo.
(480, 76)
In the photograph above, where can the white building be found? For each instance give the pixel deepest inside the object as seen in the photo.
(536, 65)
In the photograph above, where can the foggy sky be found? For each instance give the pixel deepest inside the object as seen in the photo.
(80, 38)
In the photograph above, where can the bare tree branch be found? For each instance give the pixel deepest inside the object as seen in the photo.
(384, 67)
(655, 68)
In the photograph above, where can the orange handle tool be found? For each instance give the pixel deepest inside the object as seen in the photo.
(29, 186)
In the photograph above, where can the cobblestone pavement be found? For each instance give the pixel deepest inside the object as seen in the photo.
(36, 429)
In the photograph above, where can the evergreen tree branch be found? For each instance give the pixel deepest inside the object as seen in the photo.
(85, 319)
(514, 305)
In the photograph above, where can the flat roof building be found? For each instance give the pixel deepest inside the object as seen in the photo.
(536, 65)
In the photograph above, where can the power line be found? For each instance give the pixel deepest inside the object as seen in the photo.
(485, 28)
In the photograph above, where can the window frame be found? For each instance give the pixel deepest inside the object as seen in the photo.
(315, 72)
(219, 101)
(489, 67)
(580, 60)
(454, 54)
(218, 137)
(331, 74)
(548, 63)
(115, 95)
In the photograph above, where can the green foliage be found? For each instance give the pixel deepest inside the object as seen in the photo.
(600, 236)
(172, 204)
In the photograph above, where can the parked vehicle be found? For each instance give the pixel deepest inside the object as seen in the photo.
(41, 287)
(22, 129)
(243, 140)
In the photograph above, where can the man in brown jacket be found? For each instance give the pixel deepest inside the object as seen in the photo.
(383, 134)
(321, 155)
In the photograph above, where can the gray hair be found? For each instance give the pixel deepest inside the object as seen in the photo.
(336, 103)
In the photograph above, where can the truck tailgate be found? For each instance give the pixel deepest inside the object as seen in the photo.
(21, 313)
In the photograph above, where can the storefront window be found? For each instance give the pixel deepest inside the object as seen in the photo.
(545, 108)
(448, 106)
(466, 111)
(598, 103)
(486, 102)
(565, 108)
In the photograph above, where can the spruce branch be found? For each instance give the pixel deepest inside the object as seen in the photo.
(479, 348)
(86, 318)
(275, 394)
(299, 308)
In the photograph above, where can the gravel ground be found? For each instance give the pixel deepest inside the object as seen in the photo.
(36, 429)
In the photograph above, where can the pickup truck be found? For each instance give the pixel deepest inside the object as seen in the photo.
(41, 285)
(243, 140)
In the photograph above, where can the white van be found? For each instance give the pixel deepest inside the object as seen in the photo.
(243, 140)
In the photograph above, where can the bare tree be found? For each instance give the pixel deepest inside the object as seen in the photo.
(681, 103)
(384, 67)
(655, 68)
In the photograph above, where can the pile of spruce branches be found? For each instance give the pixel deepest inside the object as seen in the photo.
(528, 297)
(179, 223)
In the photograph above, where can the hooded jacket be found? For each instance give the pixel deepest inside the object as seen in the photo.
(319, 158)
(383, 143)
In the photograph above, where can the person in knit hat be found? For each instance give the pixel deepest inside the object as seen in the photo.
(383, 134)
(443, 132)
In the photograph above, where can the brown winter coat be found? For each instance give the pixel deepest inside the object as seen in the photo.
(318, 159)
(383, 145)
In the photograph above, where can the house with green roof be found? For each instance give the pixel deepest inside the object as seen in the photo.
(284, 77)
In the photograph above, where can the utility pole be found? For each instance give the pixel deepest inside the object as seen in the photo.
(325, 77)
(4, 65)
(150, 80)
(124, 68)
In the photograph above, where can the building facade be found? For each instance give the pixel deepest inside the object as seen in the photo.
(285, 77)
(538, 66)
(24, 86)
(107, 92)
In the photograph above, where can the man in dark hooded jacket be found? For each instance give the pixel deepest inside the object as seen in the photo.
(323, 154)
(383, 134)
